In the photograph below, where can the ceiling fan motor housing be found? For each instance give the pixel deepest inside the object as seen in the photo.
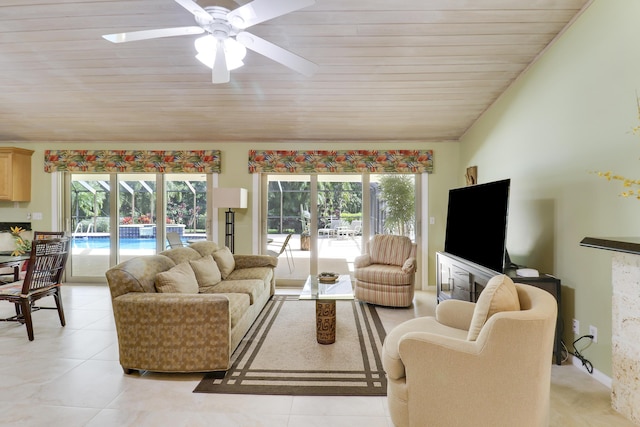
(219, 27)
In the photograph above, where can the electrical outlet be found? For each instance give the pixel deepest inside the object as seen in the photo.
(576, 327)
(593, 331)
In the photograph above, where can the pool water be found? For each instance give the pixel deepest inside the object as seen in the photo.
(105, 242)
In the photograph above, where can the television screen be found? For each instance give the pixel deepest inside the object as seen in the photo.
(477, 223)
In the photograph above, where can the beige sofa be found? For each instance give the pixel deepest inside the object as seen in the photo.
(484, 364)
(166, 322)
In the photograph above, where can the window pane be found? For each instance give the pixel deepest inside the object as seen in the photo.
(90, 201)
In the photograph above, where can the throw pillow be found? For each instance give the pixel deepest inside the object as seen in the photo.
(179, 279)
(206, 271)
(226, 262)
(500, 294)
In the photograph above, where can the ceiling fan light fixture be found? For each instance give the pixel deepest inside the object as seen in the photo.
(234, 51)
(227, 41)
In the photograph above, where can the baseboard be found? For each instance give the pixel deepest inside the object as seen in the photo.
(597, 375)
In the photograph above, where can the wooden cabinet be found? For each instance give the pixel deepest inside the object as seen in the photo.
(15, 174)
(460, 279)
(457, 278)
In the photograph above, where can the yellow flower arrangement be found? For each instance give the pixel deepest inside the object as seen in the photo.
(22, 245)
(627, 183)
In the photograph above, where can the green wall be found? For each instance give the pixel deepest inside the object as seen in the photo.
(235, 174)
(570, 114)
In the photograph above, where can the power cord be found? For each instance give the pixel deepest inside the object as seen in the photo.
(576, 353)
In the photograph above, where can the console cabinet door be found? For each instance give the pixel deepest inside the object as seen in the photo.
(444, 281)
(461, 284)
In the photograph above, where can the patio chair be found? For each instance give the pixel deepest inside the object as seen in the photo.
(353, 229)
(174, 240)
(332, 229)
(283, 249)
(44, 272)
(356, 227)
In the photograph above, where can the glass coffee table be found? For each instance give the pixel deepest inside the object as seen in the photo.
(325, 296)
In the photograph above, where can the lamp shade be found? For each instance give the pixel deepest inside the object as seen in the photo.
(230, 198)
(234, 51)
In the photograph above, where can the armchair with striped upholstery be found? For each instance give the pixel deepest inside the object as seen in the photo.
(385, 273)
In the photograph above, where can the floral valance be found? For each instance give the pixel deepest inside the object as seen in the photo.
(339, 161)
(155, 161)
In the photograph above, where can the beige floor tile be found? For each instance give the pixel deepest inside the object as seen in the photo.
(92, 384)
(338, 405)
(74, 375)
(184, 418)
(337, 421)
(26, 414)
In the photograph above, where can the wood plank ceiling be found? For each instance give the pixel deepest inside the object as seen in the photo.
(410, 70)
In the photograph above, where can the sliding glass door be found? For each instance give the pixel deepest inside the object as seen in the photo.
(330, 233)
(339, 219)
(89, 219)
(136, 227)
(185, 204)
(289, 219)
(115, 217)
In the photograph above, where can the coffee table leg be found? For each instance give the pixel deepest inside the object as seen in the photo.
(326, 321)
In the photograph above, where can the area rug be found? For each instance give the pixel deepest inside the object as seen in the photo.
(280, 354)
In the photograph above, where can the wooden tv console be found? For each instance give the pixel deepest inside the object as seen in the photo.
(460, 279)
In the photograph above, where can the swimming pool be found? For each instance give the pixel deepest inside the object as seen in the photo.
(104, 242)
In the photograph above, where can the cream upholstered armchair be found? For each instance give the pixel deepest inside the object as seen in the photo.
(483, 364)
(385, 273)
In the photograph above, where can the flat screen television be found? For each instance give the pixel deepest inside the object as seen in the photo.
(477, 223)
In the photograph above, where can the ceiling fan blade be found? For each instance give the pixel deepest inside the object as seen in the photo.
(278, 54)
(152, 34)
(195, 9)
(220, 72)
(262, 10)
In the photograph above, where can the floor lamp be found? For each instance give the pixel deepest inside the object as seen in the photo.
(229, 198)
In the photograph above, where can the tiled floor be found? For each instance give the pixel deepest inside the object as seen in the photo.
(71, 377)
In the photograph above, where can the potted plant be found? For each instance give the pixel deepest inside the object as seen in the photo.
(22, 245)
(305, 236)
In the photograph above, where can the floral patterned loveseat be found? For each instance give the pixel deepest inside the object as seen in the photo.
(186, 309)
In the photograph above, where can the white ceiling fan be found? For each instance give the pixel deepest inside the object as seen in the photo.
(224, 47)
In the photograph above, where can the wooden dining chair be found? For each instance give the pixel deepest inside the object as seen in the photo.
(19, 271)
(10, 273)
(44, 272)
(39, 235)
